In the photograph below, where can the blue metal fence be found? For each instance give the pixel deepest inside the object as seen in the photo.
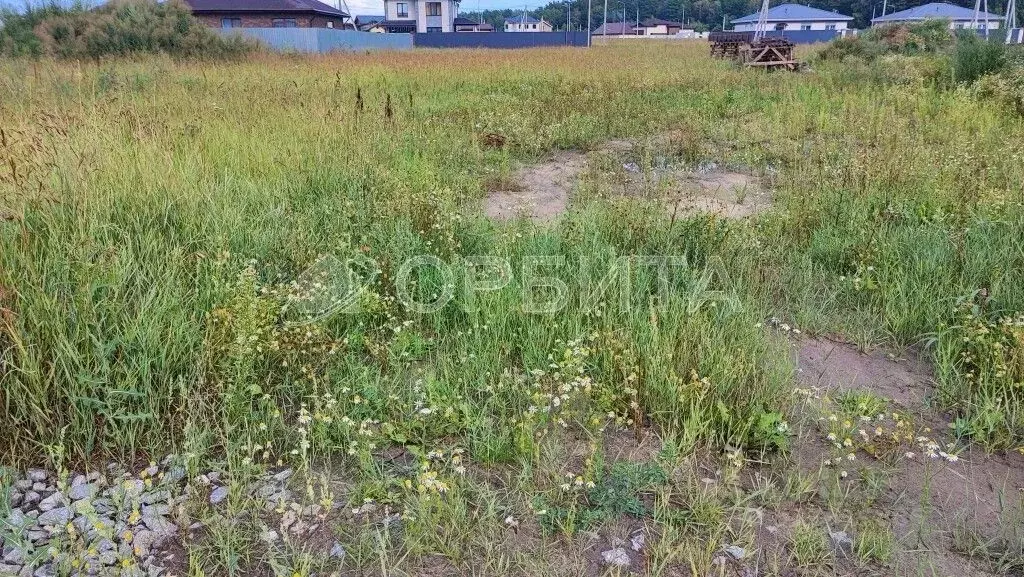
(498, 39)
(323, 40)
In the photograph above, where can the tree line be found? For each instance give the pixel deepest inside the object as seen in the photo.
(701, 14)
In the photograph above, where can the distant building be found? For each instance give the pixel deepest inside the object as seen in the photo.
(268, 14)
(657, 27)
(527, 24)
(364, 22)
(468, 25)
(615, 28)
(958, 16)
(795, 17)
(418, 16)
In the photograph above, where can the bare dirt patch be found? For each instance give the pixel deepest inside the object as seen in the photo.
(722, 192)
(541, 191)
(830, 365)
(929, 502)
(686, 190)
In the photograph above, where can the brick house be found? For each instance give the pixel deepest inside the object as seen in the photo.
(268, 14)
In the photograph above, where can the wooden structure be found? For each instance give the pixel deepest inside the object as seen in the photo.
(770, 54)
(754, 48)
(748, 49)
(729, 44)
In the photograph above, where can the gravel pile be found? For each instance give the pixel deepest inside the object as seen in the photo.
(120, 523)
(92, 524)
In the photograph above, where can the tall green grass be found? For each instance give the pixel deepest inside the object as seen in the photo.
(158, 211)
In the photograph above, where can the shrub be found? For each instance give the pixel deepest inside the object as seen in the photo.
(975, 57)
(1006, 88)
(17, 37)
(118, 28)
(928, 37)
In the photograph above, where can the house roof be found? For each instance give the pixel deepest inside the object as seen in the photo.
(297, 6)
(615, 28)
(795, 13)
(460, 21)
(518, 19)
(934, 10)
(652, 22)
(369, 18)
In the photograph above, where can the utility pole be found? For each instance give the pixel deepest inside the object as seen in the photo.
(762, 22)
(589, 21)
(604, 27)
(1011, 19)
(986, 19)
(974, 21)
(885, 4)
(622, 28)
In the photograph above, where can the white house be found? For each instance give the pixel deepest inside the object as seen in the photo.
(958, 16)
(795, 17)
(523, 23)
(418, 16)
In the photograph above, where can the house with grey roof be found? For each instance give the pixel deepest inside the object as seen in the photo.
(615, 29)
(958, 16)
(366, 21)
(657, 27)
(527, 23)
(470, 25)
(795, 17)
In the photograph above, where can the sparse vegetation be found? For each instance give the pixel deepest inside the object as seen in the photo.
(176, 239)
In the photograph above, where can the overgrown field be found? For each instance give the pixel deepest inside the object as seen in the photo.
(166, 244)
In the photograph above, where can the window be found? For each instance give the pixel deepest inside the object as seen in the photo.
(830, 27)
(283, 23)
(403, 10)
(960, 25)
(230, 22)
(330, 23)
(433, 8)
(780, 26)
(433, 28)
(534, 26)
(805, 26)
